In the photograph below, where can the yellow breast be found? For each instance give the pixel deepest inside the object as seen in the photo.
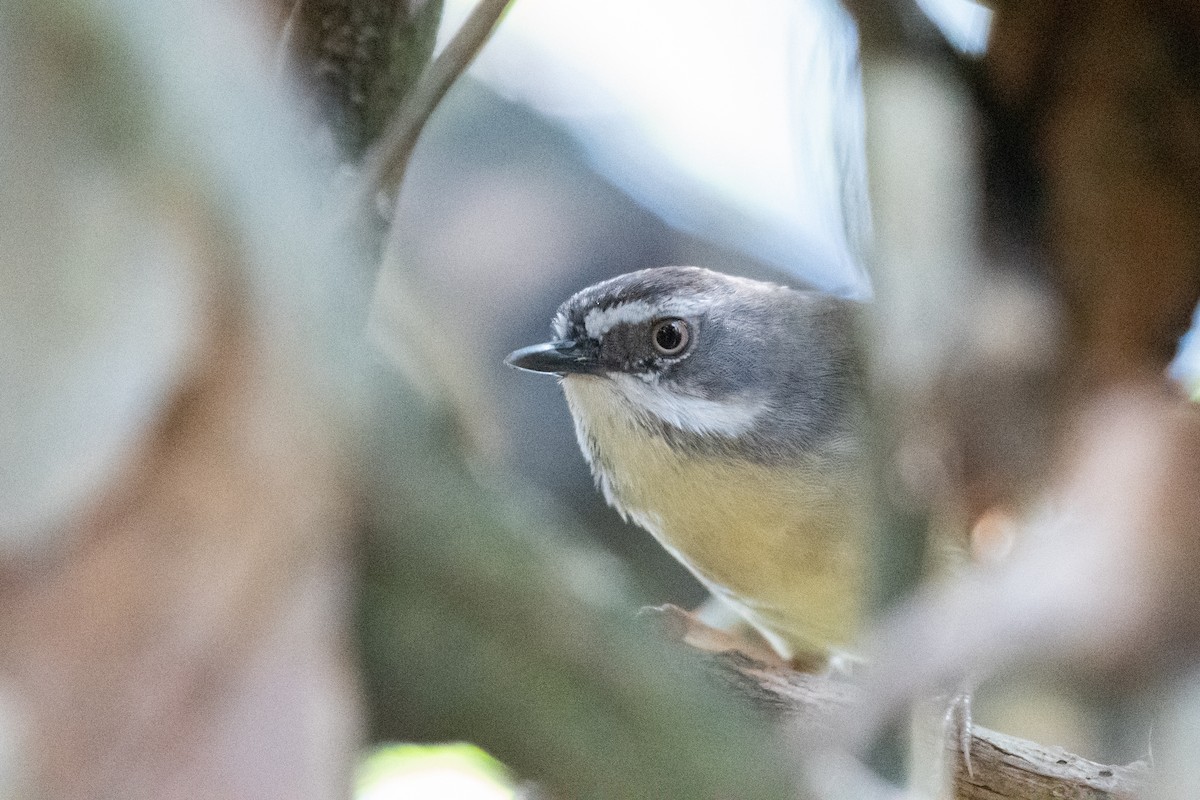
(783, 545)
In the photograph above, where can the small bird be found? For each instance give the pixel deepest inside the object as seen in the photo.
(724, 416)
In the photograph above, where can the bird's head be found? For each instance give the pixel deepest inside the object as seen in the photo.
(697, 351)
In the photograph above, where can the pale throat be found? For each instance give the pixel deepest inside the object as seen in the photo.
(724, 519)
(605, 400)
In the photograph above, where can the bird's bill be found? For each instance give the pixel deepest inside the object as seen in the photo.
(561, 358)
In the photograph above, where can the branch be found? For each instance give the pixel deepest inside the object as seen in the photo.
(388, 158)
(1002, 767)
(1005, 766)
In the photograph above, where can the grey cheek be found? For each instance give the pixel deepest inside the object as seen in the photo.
(709, 376)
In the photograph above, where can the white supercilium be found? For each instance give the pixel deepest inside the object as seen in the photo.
(689, 413)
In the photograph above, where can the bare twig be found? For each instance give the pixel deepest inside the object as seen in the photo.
(386, 161)
(1002, 767)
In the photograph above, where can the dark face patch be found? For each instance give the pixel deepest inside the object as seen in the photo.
(629, 347)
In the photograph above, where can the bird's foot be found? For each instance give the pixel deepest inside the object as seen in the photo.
(957, 723)
(689, 628)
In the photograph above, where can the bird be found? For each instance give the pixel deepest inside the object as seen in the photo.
(725, 416)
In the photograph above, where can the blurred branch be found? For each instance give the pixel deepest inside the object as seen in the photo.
(386, 161)
(401, 322)
(1093, 111)
(358, 59)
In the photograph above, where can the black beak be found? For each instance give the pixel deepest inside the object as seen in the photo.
(563, 358)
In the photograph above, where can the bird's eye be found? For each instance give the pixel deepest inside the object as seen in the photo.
(670, 336)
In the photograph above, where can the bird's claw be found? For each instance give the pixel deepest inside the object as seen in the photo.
(957, 722)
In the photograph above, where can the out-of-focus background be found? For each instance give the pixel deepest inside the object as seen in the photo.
(269, 497)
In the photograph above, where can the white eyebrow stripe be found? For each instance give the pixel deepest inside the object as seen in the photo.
(600, 321)
(697, 415)
(558, 325)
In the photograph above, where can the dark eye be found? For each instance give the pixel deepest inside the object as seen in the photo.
(670, 336)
